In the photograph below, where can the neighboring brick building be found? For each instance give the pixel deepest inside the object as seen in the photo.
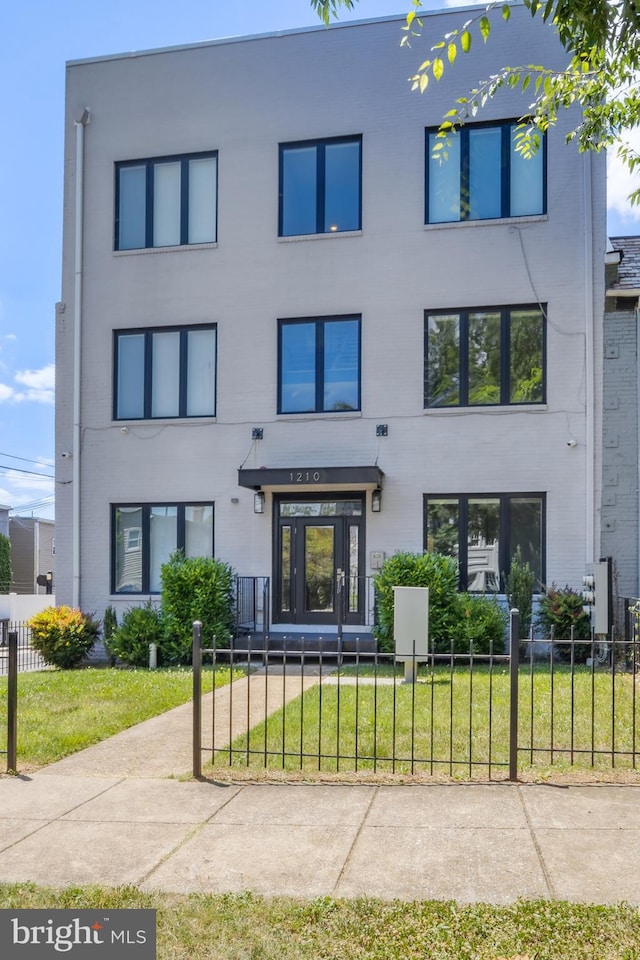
(621, 396)
(270, 287)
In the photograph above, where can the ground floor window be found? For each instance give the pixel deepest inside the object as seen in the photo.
(482, 533)
(143, 537)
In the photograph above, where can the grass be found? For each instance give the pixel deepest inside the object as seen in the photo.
(62, 711)
(452, 722)
(243, 926)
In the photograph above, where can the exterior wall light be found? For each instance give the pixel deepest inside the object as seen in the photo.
(258, 502)
(376, 500)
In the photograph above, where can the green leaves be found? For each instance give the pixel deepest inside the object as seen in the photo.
(602, 40)
(326, 9)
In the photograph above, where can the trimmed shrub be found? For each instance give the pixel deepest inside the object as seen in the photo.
(109, 624)
(195, 588)
(483, 620)
(63, 635)
(139, 627)
(520, 583)
(6, 573)
(432, 570)
(559, 610)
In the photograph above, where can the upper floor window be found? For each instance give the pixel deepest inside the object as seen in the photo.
(144, 535)
(483, 177)
(319, 365)
(320, 186)
(165, 372)
(482, 533)
(481, 357)
(166, 202)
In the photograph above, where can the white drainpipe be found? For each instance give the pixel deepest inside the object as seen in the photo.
(77, 323)
(590, 546)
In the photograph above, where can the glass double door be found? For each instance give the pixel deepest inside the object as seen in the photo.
(319, 560)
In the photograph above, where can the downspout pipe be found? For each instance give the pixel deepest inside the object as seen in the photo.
(590, 506)
(77, 345)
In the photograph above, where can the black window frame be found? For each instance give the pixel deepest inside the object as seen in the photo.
(463, 314)
(319, 323)
(145, 539)
(148, 370)
(505, 214)
(149, 163)
(504, 558)
(320, 145)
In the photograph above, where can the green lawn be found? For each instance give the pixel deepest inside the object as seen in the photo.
(451, 722)
(62, 711)
(245, 927)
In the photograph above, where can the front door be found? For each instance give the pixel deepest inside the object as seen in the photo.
(319, 560)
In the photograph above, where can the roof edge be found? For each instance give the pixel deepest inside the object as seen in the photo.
(336, 25)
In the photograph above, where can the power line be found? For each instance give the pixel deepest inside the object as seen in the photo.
(12, 456)
(33, 473)
(33, 504)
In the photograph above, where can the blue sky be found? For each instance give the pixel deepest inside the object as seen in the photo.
(37, 38)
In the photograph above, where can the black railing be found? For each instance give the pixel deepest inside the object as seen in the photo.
(27, 658)
(493, 714)
(252, 605)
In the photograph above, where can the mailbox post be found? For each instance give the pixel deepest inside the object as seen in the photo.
(411, 627)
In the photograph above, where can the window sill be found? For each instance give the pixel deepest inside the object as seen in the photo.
(320, 236)
(499, 221)
(162, 422)
(140, 251)
(324, 415)
(498, 409)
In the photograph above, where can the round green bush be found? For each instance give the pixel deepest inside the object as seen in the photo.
(63, 635)
(139, 627)
(440, 574)
(195, 588)
(560, 610)
(482, 620)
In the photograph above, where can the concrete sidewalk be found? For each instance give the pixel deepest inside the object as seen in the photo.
(109, 815)
(474, 842)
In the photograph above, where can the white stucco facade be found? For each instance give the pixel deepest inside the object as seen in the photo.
(243, 98)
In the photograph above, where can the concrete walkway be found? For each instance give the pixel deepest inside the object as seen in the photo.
(110, 816)
(162, 746)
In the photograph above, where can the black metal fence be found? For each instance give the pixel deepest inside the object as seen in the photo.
(16, 656)
(557, 704)
(27, 657)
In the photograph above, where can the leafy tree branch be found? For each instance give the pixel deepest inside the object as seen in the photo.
(601, 77)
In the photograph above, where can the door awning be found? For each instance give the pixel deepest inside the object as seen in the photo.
(295, 478)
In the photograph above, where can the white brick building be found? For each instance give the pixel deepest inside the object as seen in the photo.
(256, 239)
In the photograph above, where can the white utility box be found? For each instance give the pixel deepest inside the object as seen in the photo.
(411, 627)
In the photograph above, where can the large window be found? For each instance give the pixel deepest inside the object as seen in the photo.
(165, 372)
(143, 537)
(319, 365)
(483, 532)
(166, 202)
(483, 176)
(320, 186)
(493, 355)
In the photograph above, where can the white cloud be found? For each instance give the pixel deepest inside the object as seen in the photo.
(620, 182)
(6, 393)
(40, 385)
